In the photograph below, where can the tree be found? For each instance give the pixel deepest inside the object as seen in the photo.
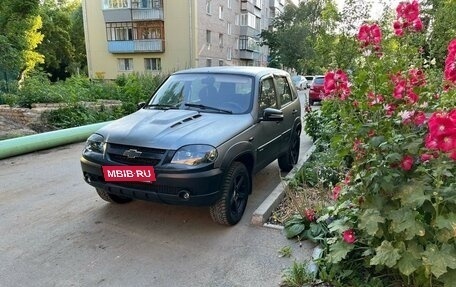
(295, 31)
(20, 24)
(63, 44)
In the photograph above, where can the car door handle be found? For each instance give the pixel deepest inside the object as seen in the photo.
(294, 112)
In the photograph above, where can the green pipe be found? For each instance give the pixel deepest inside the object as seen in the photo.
(26, 144)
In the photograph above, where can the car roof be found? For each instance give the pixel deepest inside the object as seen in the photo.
(240, 70)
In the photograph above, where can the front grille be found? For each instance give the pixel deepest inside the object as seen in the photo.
(150, 187)
(143, 155)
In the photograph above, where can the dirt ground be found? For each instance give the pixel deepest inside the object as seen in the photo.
(11, 129)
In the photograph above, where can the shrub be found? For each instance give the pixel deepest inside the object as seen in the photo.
(393, 218)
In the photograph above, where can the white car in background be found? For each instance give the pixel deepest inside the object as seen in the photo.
(300, 82)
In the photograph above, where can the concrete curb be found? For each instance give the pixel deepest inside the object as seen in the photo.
(264, 211)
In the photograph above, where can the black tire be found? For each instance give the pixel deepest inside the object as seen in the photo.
(236, 187)
(311, 102)
(109, 197)
(288, 160)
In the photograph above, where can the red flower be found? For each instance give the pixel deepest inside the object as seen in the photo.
(452, 46)
(370, 35)
(336, 192)
(419, 118)
(407, 163)
(349, 236)
(426, 157)
(310, 214)
(408, 18)
(336, 84)
(417, 77)
(399, 89)
(430, 142)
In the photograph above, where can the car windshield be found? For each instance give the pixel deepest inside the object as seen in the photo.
(206, 92)
(319, 80)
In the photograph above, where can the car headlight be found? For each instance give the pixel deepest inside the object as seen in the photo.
(95, 143)
(195, 155)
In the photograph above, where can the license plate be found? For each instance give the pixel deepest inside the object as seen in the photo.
(129, 173)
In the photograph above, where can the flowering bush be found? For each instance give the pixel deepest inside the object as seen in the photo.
(393, 222)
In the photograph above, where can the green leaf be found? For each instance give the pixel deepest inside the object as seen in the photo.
(439, 260)
(412, 195)
(386, 254)
(404, 220)
(369, 221)
(449, 278)
(447, 221)
(294, 230)
(377, 141)
(408, 263)
(339, 251)
(339, 225)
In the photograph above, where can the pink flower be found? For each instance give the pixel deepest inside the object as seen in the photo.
(407, 18)
(310, 214)
(452, 46)
(407, 163)
(419, 118)
(417, 77)
(399, 89)
(349, 236)
(336, 84)
(336, 192)
(370, 35)
(374, 99)
(389, 109)
(426, 157)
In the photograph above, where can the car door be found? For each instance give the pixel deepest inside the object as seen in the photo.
(290, 108)
(268, 133)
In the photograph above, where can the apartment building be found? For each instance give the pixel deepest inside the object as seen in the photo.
(162, 36)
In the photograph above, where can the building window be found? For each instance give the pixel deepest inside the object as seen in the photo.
(236, 19)
(228, 54)
(125, 64)
(146, 4)
(237, 44)
(208, 7)
(228, 28)
(152, 64)
(221, 12)
(127, 31)
(228, 4)
(208, 37)
(208, 62)
(115, 4)
(221, 40)
(220, 62)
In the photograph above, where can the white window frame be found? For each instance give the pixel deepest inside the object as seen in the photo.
(153, 63)
(208, 7)
(221, 12)
(125, 64)
(228, 28)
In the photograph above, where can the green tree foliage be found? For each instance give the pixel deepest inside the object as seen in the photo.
(63, 44)
(295, 32)
(20, 24)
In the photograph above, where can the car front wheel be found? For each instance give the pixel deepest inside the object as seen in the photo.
(236, 188)
(109, 197)
(290, 158)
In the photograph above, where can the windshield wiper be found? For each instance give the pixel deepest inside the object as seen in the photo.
(161, 106)
(204, 107)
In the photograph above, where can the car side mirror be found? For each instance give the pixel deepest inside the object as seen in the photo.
(271, 114)
(140, 105)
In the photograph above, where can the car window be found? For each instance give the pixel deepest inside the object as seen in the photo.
(319, 80)
(222, 91)
(267, 97)
(284, 91)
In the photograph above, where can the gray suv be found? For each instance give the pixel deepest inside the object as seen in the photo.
(199, 140)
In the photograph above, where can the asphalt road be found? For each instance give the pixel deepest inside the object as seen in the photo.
(56, 231)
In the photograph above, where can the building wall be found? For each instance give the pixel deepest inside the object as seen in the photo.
(185, 26)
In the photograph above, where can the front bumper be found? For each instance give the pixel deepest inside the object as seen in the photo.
(202, 187)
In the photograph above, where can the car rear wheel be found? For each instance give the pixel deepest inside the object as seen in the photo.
(288, 160)
(109, 197)
(236, 188)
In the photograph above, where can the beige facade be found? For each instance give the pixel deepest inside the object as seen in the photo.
(162, 36)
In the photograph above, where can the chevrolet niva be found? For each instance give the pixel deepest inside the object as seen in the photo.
(199, 140)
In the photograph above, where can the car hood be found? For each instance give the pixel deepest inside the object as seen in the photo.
(172, 129)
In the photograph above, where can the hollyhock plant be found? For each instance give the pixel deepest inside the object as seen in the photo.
(349, 236)
(370, 35)
(395, 134)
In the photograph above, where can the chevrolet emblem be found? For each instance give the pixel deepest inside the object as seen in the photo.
(132, 153)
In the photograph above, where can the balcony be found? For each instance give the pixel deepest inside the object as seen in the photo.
(136, 46)
(132, 14)
(249, 31)
(248, 55)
